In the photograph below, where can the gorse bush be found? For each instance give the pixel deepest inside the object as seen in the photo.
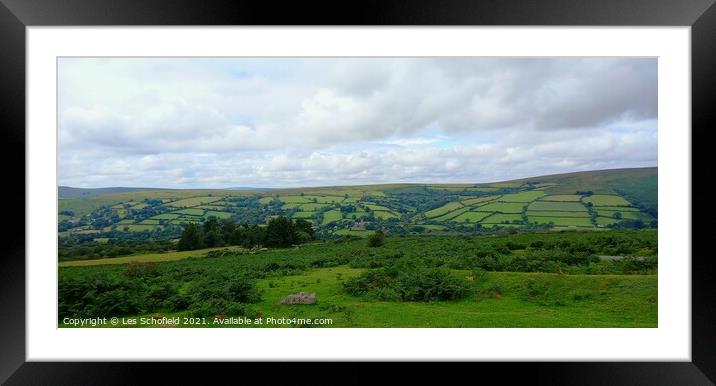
(409, 281)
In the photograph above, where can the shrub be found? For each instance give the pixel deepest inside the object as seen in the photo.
(377, 239)
(408, 281)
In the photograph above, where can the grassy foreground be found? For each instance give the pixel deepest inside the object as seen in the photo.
(502, 300)
(513, 280)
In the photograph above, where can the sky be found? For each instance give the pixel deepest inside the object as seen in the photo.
(298, 122)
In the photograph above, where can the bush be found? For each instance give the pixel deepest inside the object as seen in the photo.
(377, 239)
(408, 281)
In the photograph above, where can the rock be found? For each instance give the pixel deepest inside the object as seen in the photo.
(300, 298)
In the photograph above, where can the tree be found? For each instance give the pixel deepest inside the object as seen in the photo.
(377, 239)
(191, 238)
(280, 232)
(617, 215)
(302, 225)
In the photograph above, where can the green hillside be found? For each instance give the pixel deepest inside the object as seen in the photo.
(583, 200)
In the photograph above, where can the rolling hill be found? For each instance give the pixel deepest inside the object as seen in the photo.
(581, 200)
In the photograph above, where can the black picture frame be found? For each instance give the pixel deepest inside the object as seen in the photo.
(16, 15)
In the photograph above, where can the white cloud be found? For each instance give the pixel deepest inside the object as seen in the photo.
(297, 122)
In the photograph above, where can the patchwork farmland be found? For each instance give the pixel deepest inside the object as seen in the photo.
(586, 201)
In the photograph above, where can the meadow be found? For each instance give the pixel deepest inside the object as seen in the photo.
(537, 279)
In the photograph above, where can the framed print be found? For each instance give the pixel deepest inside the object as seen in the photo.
(216, 183)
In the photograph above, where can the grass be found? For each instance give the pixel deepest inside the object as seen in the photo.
(606, 200)
(477, 200)
(496, 299)
(354, 232)
(618, 208)
(139, 227)
(332, 215)
(527, 196)
(382, 214)
(572, 301)
(447, 208)
(562, 197)
(606, 220)
(217, 214)
(166, 216)
(499, 300)
(193, 201)
(433, 227)
(499, 218)
(506, 184)
(450, 215)
(503, 207)
(626, 215)
(191, 211)
(266, 200)
(326, 199)
(557, 206)
(562, 221)
(311, 207)
(376, 207)
(144, 258)
(556, 214)
(471, 217)
(294, 199)
(303, 215)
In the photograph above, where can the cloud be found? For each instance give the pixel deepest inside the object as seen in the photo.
(205, 122)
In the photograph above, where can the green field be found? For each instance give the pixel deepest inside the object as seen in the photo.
(294, 199)
(562, 221)
(471, 217)
(557, 206)
(325, 199)
(557, 214)
(562, 197)
(618, 208)
(606, 200)
(304, 214)
(384, 214)
(527, 196)
(312, 207)
(191, 211)
(477, 200)
(148, 257)
(629, 215)
(450, 206)
(606, 221)
(216, 214)
(449, 216)
(166, 216)
(503, 207)
(140, 228)
(506, 281)
(266, 200)
(331, 215)
(194, 201)
(499, 218)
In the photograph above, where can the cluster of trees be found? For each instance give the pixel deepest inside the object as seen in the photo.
(280, 232)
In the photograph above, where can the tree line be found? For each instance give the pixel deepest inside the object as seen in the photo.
(280, 232)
